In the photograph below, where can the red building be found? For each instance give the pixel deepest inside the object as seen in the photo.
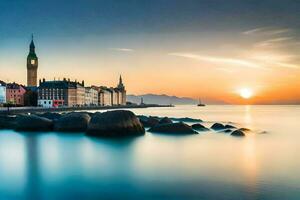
(15, 94)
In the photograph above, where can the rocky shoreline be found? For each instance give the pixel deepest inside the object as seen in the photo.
(117, 123)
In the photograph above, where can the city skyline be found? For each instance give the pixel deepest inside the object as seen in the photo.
(194, 49)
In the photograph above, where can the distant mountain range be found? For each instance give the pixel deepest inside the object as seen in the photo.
(166, 99)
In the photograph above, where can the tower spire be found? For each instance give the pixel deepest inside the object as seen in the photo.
(120, 79)
(121, 85)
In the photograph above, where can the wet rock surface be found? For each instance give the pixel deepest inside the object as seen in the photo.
(165, 120)
(33, 123)
(117, 123)
(217, 126)
(72, 122)
(173, 128)
(238, 133)
(199, 127)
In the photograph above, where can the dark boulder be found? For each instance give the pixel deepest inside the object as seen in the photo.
(33, 123)
(199, 127)
(227, 131)
(116, 123)
(7, 122)
(229, 126)
(244, 129)
(217, 126)
(186, 119)
(165, 120)
(149, 121)
(72, 122)
(173, 128)
(238, 133)
(50, 115)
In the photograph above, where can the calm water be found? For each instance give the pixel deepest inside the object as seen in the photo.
(205, 166)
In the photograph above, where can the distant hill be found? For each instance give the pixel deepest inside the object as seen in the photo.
(160, 99)
(163, 99)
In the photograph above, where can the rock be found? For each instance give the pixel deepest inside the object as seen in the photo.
(165, 120)
(72, 122)
(186, 119)
(33, 123)
(227, 131)
(173, 128)
(199, 127)
(217, 126)
(263, 132)
(229, 126)
(7, 122)
(238, 133)
(244, 129)
(115, 123)
(149, 122)
(50, 115)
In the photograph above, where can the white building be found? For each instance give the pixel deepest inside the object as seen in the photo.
(45, 103)
(2, 93)
(91, 96)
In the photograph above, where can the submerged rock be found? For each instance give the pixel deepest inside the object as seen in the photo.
(173, 128)
(7, 122)
(244, 129)
(186, 119)
(217, 126)
(199, 127)
(227, 131)
(50, 115)
(116, 123)
(229, 126)
(149, 121)
(33, 123)
(72, 122)
(238, 133)
(165, 120)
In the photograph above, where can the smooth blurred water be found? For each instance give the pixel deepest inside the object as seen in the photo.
(205, 166)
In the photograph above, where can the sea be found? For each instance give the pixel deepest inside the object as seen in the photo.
(265, 164)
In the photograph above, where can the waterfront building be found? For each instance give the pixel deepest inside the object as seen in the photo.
(91, 96)
(32, 66)
(122, 92)
(15, 94)
(61, 93)
(30, 96)
(2, 93)
(105, 96)
(114, 96)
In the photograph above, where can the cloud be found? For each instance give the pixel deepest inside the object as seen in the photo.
(274, 41)
(232, 61)
(122, 49)
(266, 31)
(255, 62)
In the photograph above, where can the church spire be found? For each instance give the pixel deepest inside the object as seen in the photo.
(121, 85)
(120, 80)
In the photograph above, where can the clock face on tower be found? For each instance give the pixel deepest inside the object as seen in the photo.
(32, 62)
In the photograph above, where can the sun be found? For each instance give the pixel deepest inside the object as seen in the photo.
(246, 93)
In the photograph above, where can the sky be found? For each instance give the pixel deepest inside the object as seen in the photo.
(208, 49)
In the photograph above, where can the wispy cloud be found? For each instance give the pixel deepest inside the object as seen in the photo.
(231, 61)
(122, 49)
(266, 31)
(252, 62)
(273, 41)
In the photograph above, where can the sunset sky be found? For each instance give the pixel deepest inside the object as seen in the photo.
(212, 49)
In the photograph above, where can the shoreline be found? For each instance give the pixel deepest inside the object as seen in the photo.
(20, 110)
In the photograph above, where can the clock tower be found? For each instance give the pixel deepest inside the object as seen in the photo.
(32, 66)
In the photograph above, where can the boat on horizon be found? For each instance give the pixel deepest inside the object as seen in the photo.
(200, 103)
